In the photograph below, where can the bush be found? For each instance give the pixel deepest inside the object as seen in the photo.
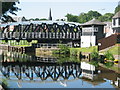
(109, 64)
(109, 56)
(94, 55)
(95, 63)
(64, 49)
(74, 52)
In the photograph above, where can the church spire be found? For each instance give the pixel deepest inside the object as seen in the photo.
(50, 16)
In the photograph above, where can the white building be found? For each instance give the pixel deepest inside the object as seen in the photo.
(108, 29)
(92, 31)
(116, 23)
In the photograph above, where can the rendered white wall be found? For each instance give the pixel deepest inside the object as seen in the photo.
(87, 66)
(86, 40)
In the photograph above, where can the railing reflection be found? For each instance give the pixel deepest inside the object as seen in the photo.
(41, 71)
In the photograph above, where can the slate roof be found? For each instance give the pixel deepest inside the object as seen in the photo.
(117, 15)
(93, 22)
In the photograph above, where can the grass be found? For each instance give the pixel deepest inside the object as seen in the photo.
(114, 50)
(85, 50)
(22, 45)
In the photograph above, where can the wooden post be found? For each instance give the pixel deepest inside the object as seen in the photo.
(89, 58)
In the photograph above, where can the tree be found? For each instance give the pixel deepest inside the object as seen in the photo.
(106, 17)
(9, 7)
(36, 19)
(72, 18)
(43, 19)
(84, 17)
(117, 9)
(93, 14)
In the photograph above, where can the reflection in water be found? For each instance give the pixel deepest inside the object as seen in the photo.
(29, 68)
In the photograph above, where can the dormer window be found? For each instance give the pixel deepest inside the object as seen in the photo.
(113, 21)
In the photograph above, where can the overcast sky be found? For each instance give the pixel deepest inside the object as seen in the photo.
(40, 8)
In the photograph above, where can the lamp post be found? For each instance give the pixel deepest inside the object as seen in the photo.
(99, 44)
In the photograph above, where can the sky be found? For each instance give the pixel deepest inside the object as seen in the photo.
(59, 8)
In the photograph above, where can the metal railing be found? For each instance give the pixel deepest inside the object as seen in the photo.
(39, 35)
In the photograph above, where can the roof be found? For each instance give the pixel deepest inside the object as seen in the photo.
(93, 22)
(39, 22)
(117, 15)
(108, 23)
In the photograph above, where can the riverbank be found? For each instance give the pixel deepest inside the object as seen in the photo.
(114, 68)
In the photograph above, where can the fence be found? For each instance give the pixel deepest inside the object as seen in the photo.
(108, 41)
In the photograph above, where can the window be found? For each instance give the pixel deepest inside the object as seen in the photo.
(113, 21)
(119, 21)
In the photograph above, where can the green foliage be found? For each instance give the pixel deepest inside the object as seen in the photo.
(64, 49)
(109, 64)
(63, 59)
(117, 9)
(84, 49)
(74, 52)
(94, 55)
(43, 19)
(109, 56)
(4, 83)
(95, 63)
(36, 19)
(83, 17)
(72, 18)
(106, 17)
(9, 7)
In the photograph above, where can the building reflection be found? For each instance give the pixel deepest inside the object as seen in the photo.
(96, 76)
(23, 68)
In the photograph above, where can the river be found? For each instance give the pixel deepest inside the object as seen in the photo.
(44, 71)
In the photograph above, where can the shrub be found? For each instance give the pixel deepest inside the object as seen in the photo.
(109, 56)
(95, 63)
(74, 52)
(64, 49)
(109, 64)
(94, 55)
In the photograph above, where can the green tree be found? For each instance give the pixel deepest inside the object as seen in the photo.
(43, 19)
(117, 9)
(36, 19)
(9, 7)
(84, 17)
(93, 14)
(106, 17)
(72, 18)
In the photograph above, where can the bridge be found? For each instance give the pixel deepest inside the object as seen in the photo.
(16, 64)
(43, 31)
(24, 71)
